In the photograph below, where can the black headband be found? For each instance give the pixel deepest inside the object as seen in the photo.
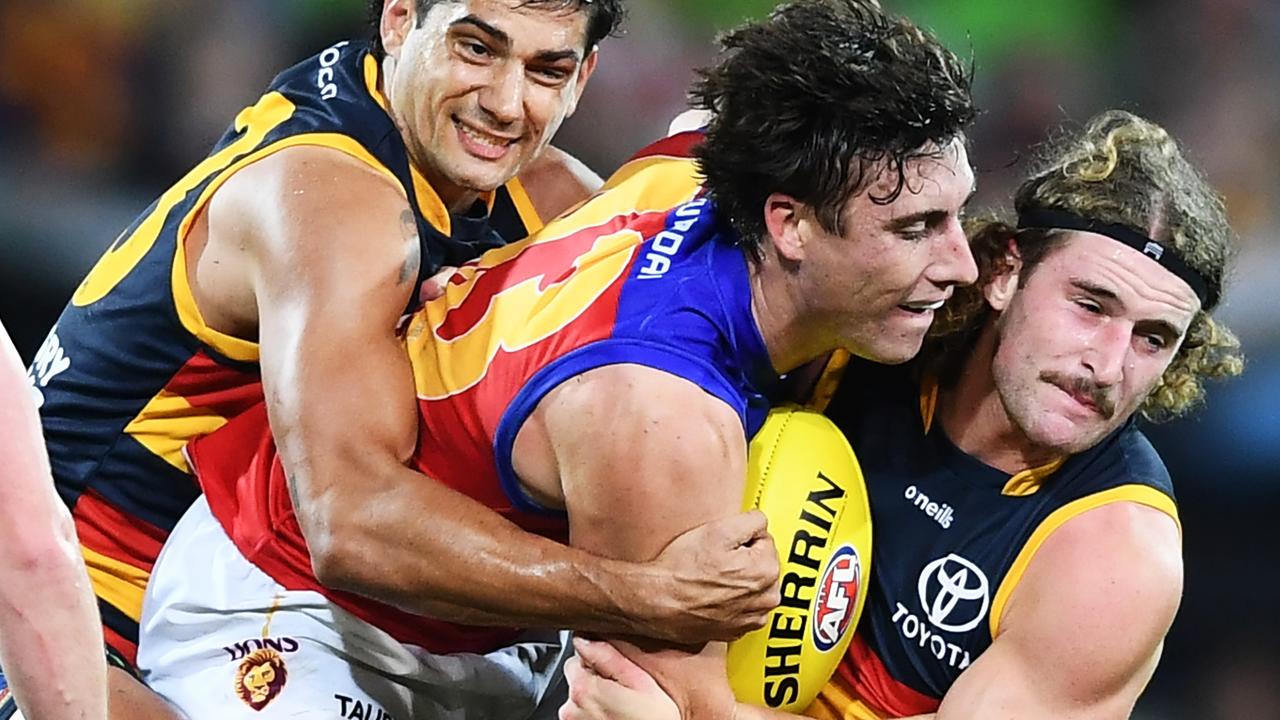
(1054, 219)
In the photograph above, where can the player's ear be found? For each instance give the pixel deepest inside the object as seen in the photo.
(398, 18)
(1003, 283)
(584, 73)
(784, 217)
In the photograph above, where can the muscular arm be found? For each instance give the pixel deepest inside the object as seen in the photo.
(334, 258)
(50, 634)
(1080, 637)
(642, 456)
(1082, 632)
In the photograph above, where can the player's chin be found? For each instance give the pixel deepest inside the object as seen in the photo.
(894, 350)
(487, 176)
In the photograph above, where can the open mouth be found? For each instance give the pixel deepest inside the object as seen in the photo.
(483, 144)
(921, 308)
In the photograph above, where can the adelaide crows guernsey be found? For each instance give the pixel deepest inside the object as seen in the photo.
(131, 371)
(623, 279)
(953, 538)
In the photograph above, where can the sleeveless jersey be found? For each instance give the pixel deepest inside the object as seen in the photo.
(623, 279)
(953, 538)
(131, 371)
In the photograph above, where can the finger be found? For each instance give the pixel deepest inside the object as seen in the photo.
(606, 661)
(743, 528)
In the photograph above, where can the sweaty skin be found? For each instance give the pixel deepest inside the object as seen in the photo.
(314, 255)
(1100, 594)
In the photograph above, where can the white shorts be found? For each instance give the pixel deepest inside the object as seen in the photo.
(221, 640)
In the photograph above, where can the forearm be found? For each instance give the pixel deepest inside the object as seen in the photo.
(394, 552)
(50, 633)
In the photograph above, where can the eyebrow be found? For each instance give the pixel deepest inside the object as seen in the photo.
(1162, 327)
(504, 40)
(928, 217)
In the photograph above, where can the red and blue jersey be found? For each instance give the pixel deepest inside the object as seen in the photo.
(643, 273)
(131, 372)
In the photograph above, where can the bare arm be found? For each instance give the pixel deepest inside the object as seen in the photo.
(1082, 632)
(642, 456)
(334, 257)
(50, 634)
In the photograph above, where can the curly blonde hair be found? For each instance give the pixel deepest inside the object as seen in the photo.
(1124, 170)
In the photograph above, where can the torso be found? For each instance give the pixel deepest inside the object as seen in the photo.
(134, 368)
(953, 538)
(624, 279)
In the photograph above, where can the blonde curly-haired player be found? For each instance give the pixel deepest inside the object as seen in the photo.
(1028, 561)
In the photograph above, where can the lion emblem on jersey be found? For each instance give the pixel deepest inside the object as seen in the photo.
(260, 678)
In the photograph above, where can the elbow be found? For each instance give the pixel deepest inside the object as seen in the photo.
(342, 552)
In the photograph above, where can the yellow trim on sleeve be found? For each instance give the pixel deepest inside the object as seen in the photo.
(1141, 494)
(233, 347)
(120, 584)
(524, 206)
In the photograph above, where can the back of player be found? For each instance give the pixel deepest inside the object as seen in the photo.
(132, 371)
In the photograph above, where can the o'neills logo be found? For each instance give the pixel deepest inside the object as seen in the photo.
(260, 678)
(834, 602)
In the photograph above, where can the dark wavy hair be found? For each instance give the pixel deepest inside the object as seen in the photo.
(1125, 170)
(605, 18)
(810, 101)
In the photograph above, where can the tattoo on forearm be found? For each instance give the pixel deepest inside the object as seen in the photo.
(413, 257)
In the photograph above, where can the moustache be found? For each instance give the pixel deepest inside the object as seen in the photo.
(1097, 395)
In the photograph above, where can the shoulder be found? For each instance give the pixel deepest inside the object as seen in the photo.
(556, 181)
(1099, 595)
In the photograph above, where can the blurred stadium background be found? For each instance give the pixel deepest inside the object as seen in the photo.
(103, 103)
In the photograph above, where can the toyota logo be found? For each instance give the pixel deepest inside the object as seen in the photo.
(953, 594)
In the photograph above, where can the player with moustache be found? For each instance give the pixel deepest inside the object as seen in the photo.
(1027, 560)
(297, 245)
(600, 381)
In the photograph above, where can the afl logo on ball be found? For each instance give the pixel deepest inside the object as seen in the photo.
(837, 595)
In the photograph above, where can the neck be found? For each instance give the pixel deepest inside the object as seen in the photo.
(975, 419)
(455, 198)
(778, 309)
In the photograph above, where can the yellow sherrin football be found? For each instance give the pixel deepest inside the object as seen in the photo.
(804, 476)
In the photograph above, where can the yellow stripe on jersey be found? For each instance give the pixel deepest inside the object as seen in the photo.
(1141, 494)
(167, 423)
(524, 206)
(829, 381)
(430, 206)
(1021, 484)
(506, 323)
(1027, 482)
(256, 123)
(836, 701)
(119, 584)
(188, 312)
(643, 185)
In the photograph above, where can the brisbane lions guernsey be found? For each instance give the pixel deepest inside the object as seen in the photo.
(131, 372)
(953, 538)
(643, 273)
